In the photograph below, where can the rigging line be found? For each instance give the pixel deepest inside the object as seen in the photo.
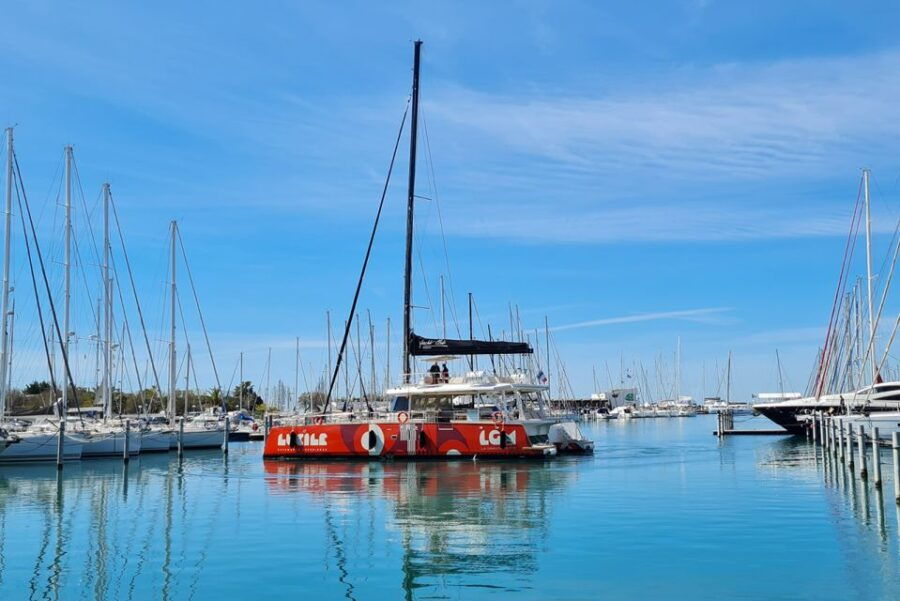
(437, 204)
(199, 312)
(130, 340)
(37, 296)
(835, 307)
(87, 213)
(366, 262)
(137, 301)
(64, 352)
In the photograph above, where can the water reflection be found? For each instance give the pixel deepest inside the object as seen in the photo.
(462, 519)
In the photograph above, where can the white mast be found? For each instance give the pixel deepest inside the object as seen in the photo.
(869, 274)
(728, 381)
(678, 370)
(4, 305)
(297, 373)
(68, 269)
(107, 312)
(241, 388)
(172, 383)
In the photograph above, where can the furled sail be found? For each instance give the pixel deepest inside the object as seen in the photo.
(420, 346)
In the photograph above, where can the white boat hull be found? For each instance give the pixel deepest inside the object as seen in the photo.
(25, 446)
(198, 439)
(109, 444)
(156, 441)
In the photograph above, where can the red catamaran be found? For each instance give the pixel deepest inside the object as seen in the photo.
(428, 416)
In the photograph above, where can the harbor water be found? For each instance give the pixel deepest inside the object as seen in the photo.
(663, 509)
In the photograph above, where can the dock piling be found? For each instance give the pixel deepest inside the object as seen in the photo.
(815, 427)
(861, 447)
(127, 436)
(876, 459)
(60, 442)
(225, 436)
(840, 436)
(895, 450)
(180, 438)
(850, 446)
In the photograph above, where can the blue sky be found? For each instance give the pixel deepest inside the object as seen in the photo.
(636, 172)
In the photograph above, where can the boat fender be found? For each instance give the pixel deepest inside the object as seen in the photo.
(255, 427)
(422, 438)
(319, 421)
(292, 441)
(502, 439)
(403, 417)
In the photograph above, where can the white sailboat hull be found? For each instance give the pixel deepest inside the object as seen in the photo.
(109, 444)
(156, 441)
(25, 446)
(199, 439)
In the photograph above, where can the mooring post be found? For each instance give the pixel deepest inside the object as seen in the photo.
(60, 442)
(840, 435)
(876, 459)
(850, 446)
(225, 436)
(266, 426)
(826, 433)
(815, 427)
(180, 438)
(861, 447)
(895, 451)
(125, 446)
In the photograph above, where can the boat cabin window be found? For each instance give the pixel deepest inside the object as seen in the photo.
(400, 403)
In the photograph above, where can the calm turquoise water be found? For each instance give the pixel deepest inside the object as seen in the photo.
(662, 511)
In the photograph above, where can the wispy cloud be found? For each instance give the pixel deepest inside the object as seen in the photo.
(706, 315)
(750, 120)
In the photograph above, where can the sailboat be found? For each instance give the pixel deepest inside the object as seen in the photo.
(20, 441)
(198, 433)
(431, 415)
(879, 396)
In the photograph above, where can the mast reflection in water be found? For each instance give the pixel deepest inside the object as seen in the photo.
(705, 516)
(465, 519)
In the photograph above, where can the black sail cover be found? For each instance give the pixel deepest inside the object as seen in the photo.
(420, 346)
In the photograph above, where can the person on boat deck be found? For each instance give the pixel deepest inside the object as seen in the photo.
(434, 373)
(445, 373)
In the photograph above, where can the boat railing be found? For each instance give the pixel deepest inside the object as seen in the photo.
(472, 377)
(357, 417)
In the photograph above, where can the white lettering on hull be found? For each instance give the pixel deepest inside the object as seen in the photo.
(304, 439)
(492, 438)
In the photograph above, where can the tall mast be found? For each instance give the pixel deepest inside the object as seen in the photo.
(869, 275)
(68, 269)
(241, 388)
(471, 334)
(172, 383)
(4, 305)
(107, 311)
(443, 315)
(728, 381)
(387, 357)
(547, 350)
(297, 373)
(373, 384)
(410, 214)
(328, 335)
(678, 370)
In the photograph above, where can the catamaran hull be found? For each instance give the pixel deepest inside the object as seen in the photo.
(375, 440)
(38, 447)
